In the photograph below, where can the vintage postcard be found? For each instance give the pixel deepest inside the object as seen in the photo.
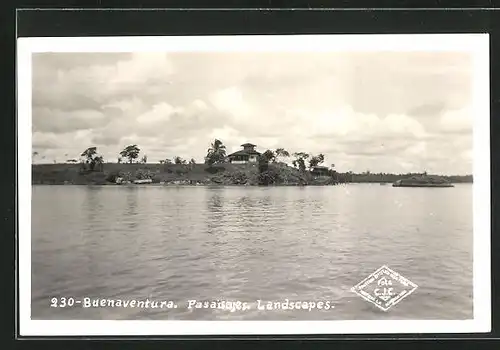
(180, 184)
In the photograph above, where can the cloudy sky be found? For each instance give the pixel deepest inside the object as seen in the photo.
(383, 112)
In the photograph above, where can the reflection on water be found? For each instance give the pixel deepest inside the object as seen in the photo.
(250, 243)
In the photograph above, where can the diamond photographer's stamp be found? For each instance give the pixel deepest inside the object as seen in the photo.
(384, 288)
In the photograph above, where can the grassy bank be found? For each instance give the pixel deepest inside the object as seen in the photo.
(201, 174)
(224, 174)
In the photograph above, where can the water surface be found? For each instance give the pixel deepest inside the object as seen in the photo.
(250, 243)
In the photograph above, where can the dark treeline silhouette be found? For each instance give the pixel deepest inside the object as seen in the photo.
(369, 177)
(306, 168)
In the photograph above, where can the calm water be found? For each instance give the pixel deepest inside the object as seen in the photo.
(247, 244)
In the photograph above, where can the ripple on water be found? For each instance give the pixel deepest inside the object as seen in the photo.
(250, 243)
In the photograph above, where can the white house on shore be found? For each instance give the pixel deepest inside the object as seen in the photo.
(247, 155)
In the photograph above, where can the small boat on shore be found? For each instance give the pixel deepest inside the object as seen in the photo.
(122, 181)
(143, 181)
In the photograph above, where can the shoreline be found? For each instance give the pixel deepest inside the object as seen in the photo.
(226, 174)
(182, 185)
(239, 185)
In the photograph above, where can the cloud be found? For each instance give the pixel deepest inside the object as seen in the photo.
(160, 113)
(105, 140)
(385, 111)
(97, 84)
(59, 121)
(456, 121)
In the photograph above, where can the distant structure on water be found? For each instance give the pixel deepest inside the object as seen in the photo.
(422, 181)
(247, 155)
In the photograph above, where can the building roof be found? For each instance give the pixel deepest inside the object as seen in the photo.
(244, 153)
(248, 145)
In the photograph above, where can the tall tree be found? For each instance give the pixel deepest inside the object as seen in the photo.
(281, 153)
(98, 161)
(269, 156)
(89, 154)
(216, 153)
(92, 158)
(179, 160)
(300, 160)
(316, 160)
(263, 162)
(131, 152)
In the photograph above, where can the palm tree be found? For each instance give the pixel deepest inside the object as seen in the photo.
(281, 152)
(216, 153)
(218, 146)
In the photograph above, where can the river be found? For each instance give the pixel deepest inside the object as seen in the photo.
(247, 244)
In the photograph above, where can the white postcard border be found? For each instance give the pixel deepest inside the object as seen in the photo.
(478, 44)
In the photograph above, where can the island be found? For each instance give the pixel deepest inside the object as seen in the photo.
(422, 181)
(277, 174)
(246, 167)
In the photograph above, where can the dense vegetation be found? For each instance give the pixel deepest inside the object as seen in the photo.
(270, 169)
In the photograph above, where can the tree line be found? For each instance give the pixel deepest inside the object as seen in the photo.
(93, 161)
(216, 154)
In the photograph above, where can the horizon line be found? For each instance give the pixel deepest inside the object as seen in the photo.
(356, 173)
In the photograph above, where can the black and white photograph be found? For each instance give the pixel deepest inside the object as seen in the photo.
(330, 178)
